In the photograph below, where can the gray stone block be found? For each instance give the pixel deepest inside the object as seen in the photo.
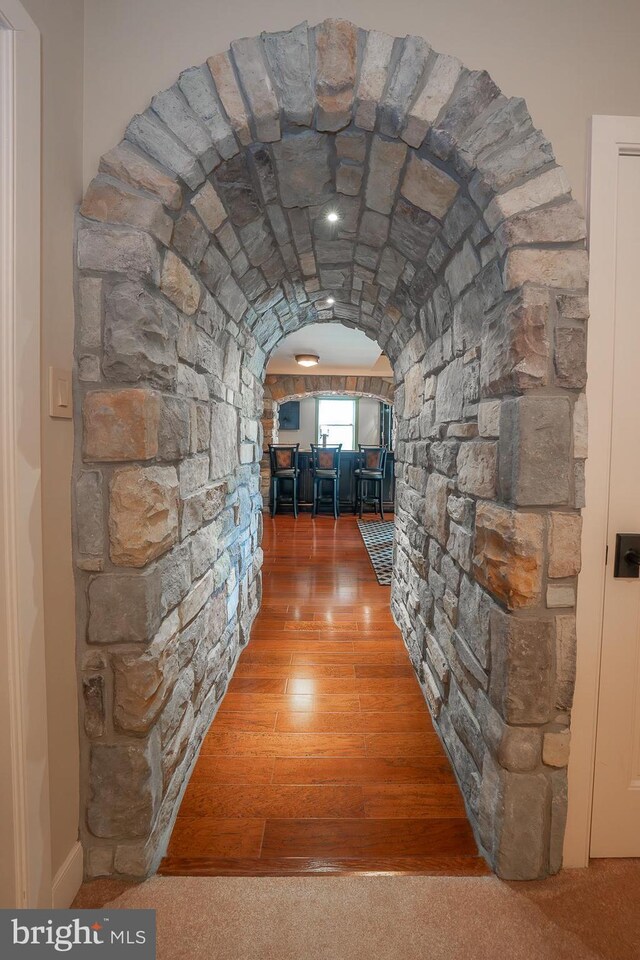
(435, 516)
(190, 239)
(288, 56)
(197, 86)
(514, 821)
(450, 392)
(535, 451)
(124, 788)
(121, 250)
(234, 185)
(149, 133)
(140, 333)
(302, 165)
(403, 84)
(522, 675)
(172, 108)
(570, 356)
(89, 513)
(123, 608)
(473, 93)
(258, 88)
(474, 610)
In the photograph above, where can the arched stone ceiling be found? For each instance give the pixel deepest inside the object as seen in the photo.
(424, 161)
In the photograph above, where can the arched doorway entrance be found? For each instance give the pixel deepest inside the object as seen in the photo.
(205, 239)
(280, 388)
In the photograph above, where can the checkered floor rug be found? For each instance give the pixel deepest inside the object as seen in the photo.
(378, 541)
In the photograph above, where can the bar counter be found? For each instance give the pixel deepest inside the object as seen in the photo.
(347, 487)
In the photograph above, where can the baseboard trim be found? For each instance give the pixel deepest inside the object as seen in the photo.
(68, 879)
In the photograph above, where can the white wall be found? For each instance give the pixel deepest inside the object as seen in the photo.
(368, 423)
(306, 434)
(568, 58)
(61, 28)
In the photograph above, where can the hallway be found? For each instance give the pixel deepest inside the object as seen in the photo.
(322, 757)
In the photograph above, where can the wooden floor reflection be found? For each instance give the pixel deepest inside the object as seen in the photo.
(322, 757)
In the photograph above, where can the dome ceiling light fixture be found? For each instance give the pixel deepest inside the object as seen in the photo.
(307, 359)
(332, 216)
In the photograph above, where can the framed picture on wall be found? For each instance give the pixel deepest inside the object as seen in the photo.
(289, 415)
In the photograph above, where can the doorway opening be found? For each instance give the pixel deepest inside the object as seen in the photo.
(328, 174)
(323, 757)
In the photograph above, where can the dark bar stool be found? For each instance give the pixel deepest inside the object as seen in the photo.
(325, 468)
(370, 470)
(283, 459)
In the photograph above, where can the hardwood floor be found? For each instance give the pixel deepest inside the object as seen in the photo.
(322, 757)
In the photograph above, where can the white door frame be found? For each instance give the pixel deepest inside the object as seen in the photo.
(610, 138)
(26, 863)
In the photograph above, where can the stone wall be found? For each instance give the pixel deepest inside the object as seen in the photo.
(278, 388)
(201, 243)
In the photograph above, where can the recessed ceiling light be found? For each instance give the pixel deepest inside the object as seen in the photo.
(333, 217)
(307, 359)
(330, 301)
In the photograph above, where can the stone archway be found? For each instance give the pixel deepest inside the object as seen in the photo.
(200, 244)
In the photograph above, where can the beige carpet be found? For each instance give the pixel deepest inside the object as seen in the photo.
(579, 915)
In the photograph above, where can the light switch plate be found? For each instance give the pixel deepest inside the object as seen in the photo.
(60, 399)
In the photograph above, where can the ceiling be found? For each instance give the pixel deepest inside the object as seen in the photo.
(341, 349)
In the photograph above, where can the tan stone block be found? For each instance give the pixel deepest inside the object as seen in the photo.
(209, 207)
(515, 345)
(111, 203)
(124, 162)
(143, 514)
(413, 391)
(564, 544)
(373, 77)
(179, 285)
(336, 52)
(560, 595)
(477, 468)
(428, 187)
(565, 268)
(558, 224)
(435, 94)
(555, 748)
(121, 425)
(143, 680)
(533, 193)
(509, 554)
(229, 93)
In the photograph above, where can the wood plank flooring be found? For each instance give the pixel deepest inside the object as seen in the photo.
(322, 758)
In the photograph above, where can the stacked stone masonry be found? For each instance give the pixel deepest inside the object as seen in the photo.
(200, 244)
